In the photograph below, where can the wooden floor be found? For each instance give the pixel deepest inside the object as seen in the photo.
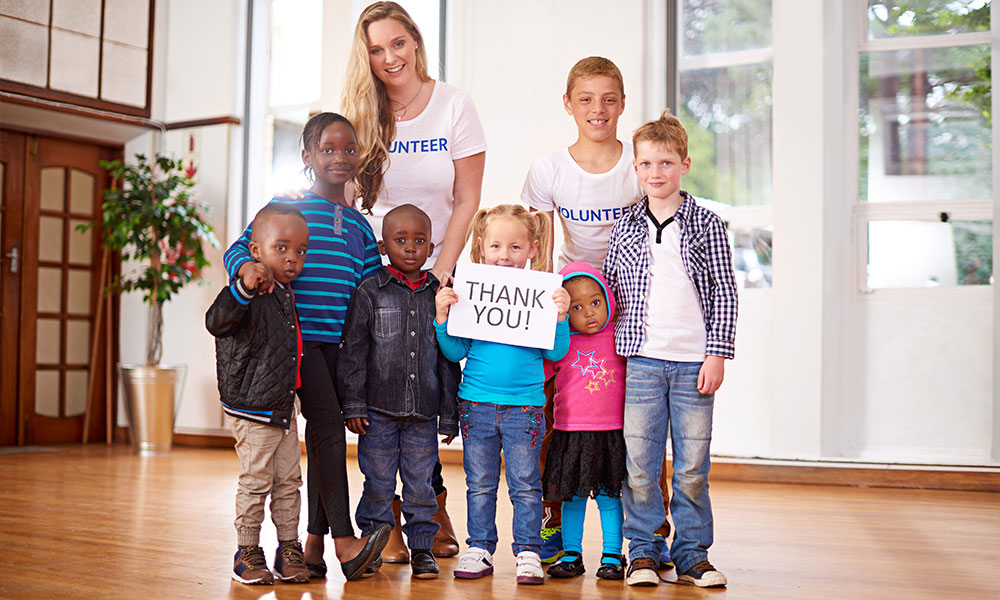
(89, 522)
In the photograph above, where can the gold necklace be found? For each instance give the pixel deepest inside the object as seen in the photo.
(399, 117)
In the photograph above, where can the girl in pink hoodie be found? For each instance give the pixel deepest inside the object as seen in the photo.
(586, 454)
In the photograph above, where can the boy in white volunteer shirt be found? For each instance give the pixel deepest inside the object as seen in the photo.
(589, 184)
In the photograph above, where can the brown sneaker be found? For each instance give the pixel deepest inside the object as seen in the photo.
(289, 562)
(250, 566)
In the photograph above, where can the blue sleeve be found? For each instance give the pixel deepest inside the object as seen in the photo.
(238, 253)
(373, 260)
(561, 346)
(456, 348)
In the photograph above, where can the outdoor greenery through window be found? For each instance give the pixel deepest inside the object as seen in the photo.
(725, 72)
(925, 136)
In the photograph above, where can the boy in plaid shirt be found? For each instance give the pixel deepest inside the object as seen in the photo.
(670, 267)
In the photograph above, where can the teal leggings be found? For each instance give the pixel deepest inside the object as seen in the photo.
(573, 512)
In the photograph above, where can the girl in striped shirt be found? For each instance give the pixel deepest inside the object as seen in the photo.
(342, 252)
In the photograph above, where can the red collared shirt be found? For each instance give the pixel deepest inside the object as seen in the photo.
(413, 285)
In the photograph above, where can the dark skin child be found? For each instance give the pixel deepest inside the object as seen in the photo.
(406, 240)
(333, 159)
(279, 248)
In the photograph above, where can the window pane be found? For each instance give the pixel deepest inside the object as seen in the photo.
(752, 256)
(912, 254)
(709, 26)
(296, 50)
(727, 115)
(284, 170)
(925, 123)
(895, 18)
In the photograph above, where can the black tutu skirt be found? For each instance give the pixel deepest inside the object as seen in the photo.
(584, 463)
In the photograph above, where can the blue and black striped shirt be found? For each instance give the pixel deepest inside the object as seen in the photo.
(342, 252)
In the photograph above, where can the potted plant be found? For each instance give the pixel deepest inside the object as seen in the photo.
(150, 217)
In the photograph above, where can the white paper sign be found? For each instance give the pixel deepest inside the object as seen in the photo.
(505, 305)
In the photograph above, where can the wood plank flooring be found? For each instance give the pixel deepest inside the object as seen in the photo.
(99, 522)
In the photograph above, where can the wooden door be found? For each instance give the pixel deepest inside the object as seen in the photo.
(58, 287)
(12, 147)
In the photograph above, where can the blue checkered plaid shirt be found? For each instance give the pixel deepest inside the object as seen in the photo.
(707, 260)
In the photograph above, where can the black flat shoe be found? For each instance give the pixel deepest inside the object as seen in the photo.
(423, 564)
(370, 553)
(372, 568)
(316, 570)
(611, 570)
(564, 569)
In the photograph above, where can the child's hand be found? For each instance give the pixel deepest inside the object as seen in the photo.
(357, 425)
(448, 439)
(256, 276)
(560, 298)
(711, 374)
(442, 303)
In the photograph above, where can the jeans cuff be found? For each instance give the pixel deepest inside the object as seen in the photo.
(420, 542)
(688, 561)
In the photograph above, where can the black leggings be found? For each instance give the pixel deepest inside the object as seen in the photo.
(326, 446)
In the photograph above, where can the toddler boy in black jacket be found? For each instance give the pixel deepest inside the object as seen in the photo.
(397, 388)
(258, 350)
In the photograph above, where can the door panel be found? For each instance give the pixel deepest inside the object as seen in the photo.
(12, 150)
(59, 289)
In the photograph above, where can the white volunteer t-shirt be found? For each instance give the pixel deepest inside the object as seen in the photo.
(588, 204)
(421, 168)
(675, 327)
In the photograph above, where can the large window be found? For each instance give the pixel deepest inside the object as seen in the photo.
(925, 167)
(725, 70)
(294, 71)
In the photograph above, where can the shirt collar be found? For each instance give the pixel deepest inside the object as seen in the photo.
(683, 213)
(402, 278)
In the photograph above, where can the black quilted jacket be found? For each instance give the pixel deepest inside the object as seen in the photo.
(256, 352)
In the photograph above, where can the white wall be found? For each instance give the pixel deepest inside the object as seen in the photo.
(823, 371)
(197, 74)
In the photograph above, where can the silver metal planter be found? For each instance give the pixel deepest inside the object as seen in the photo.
(152, 397)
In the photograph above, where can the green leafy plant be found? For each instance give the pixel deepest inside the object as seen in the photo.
(150, 217)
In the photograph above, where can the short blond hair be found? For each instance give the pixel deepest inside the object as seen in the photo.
(666, 130)
(593, 66)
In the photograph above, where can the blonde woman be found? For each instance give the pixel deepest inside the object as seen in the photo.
(420, 142)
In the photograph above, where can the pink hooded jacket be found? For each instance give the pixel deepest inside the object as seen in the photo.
(590, 379)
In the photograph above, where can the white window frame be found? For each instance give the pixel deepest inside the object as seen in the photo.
(737, 217)
(863, 213)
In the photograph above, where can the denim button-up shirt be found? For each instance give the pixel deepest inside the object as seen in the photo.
(389, 361)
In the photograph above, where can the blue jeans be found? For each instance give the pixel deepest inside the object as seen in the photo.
(661, 394)
(409, 447)
(517, 430)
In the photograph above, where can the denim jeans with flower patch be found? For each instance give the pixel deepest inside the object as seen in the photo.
(517, 431)
(662, 394)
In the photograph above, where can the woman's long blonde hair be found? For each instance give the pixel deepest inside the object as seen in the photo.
(537, 223)
(366, 103)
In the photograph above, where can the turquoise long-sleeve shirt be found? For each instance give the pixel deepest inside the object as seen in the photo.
(501, 373)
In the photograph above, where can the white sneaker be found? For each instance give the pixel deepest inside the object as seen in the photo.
(529, 568)
(703, 574)
(642, 571)
(475, 563)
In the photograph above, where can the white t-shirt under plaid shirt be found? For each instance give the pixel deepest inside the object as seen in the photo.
(707, 258)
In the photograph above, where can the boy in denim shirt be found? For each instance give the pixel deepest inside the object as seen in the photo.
(394, 383)
(671, 269)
